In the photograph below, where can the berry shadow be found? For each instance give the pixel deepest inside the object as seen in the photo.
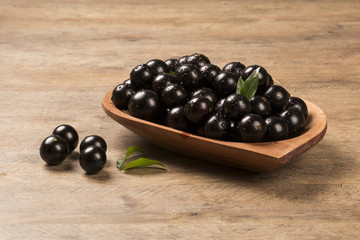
(101, 177)
(62, 167)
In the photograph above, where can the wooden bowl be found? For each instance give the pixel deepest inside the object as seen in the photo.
(258, 157)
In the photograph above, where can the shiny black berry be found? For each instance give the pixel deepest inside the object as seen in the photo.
(295, 120)
(69, 134)
(144, 104)
(92, 159)
(158, 66)
(190, 77)
(278, 98)
(209, 72)
(216, 127)
(261, 106)
(162, 80)
(176, 119)
(198, 60)
(218, 108)
(235, 106)
(198, 110)
(225, 83)
(181, 61)
(127, 82)
(171, 63)
(263, 77)
(174, 95)
(233, 132)
(234, 67)
(252, 128)
(277, 129)
(54, 150)
(121, 95)
(93, 140)
(141, 76)
(271, 81)
(300, 104)
(205, 92)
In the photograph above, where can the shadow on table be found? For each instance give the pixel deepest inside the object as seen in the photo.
(305, 178)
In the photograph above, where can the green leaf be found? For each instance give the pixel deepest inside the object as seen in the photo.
(172, 72)
(248, 87)
(133, 149)
(142, 162)
(239, 85)
(129, 151)
(119, 163)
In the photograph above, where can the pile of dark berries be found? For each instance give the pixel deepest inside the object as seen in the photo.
(195, 96)
(64, 139)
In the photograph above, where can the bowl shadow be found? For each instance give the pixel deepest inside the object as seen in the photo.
(304, 178)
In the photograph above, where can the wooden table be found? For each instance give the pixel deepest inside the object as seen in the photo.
(59, 58)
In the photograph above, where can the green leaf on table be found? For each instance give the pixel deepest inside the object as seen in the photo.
(248, 87)
(142, 162)
(129, 151)
(133, 149)
(172, 72)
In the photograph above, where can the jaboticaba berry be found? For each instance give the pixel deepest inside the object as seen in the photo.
(193, 95)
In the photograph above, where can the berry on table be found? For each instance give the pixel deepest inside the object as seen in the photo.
(69, 134)
(54, 150)
(92, 159)
(93, 140)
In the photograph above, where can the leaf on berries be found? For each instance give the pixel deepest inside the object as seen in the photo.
(248, 87)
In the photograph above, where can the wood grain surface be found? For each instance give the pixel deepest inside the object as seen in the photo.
(59, 58)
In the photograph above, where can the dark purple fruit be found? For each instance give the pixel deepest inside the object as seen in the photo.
(54, 150)
(261, 106)
(174, 95)
(225, 83)
(162, 80)
(216, 127)
(252, 128)
(190, 77)
(219, 106)
(121, 95)
(277, 129)
(205, 92)
(171, 63)
(233, 132)
(176, 119)
(235, 106)
(127, 82)
(271, 81)
(198, 110)
(295, 120)
(278, 98)
(144, 104)
(234, 67)
(263, 78)
(209, 72)
(300, 104)
(93, 140)
(181, 61)
(158, 66)
(92, 159)
(69, 134)
(141, 76)
(198, 60)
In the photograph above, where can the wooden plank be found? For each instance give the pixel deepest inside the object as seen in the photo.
(59, 58)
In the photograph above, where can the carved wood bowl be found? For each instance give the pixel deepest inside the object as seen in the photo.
(257, 157)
